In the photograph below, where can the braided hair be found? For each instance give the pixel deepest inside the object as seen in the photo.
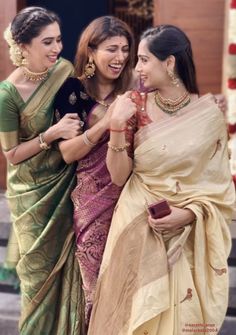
(29, 23)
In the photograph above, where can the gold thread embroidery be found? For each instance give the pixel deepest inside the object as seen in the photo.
(188, 295)
(219, 272)
(218, 147)
(72, 98)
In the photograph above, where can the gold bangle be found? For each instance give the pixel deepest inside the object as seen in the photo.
(43, 145)
(118, 149)
(87, 140)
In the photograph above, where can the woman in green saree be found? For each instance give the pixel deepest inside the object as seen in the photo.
(39, 182)
(167, 276)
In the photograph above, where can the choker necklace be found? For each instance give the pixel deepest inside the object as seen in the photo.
(35, 76)
(171, 106)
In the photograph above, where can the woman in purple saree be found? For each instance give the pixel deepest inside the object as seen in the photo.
(103, 69)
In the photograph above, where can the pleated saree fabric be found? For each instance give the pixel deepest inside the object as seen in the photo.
(170, 283)
(42, 244)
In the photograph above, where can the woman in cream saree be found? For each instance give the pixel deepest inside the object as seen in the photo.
(173, 281)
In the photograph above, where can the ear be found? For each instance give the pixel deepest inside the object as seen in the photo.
(90, 52)
(170, 63)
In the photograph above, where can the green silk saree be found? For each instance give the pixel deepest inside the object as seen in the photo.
(41, 246)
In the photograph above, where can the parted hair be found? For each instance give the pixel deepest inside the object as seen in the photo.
(30, 21)
(166, 40)
(94, 34)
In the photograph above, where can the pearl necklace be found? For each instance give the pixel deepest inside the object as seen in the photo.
(171, 106)
(35, 76)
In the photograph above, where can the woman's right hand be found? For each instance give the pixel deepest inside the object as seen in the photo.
(69, 126)
(124, 108)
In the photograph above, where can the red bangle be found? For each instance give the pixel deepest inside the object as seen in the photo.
(118, 130)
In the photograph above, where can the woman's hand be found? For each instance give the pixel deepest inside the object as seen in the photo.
(69, 126)
(178, 218)
(221, 102)
(122, 110)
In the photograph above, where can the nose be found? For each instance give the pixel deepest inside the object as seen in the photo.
(137, 67)
(57, 46)
(121, 55)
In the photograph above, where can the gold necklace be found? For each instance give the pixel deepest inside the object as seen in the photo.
(35, 76)
(103, 103)
(171, 106)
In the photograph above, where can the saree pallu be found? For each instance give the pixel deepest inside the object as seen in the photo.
(38, 192)
(94, 199)
(174, 283)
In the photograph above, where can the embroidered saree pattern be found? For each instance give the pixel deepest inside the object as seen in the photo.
(156, 284)
(38, 192)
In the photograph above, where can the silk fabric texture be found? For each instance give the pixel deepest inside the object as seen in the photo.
(166, 284)
(42, 243)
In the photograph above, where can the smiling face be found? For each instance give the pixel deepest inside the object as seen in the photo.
(44, 49)
(152, 71)
(110, 57)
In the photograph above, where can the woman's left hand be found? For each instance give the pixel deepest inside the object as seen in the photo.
(178, 218)
(221, 102)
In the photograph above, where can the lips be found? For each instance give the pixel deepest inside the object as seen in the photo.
(52, 59)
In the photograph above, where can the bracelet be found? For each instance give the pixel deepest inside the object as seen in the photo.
(87, 140)
(118, 149)
(118, 130)
(43, 145)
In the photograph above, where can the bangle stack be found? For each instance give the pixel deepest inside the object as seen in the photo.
(43, 145)
(87, 140)
(116, 148)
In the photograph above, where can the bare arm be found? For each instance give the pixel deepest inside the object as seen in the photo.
(75, 148)
(67, 127)
(119, 164)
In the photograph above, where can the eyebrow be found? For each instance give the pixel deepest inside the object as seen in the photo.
(50, 38)
(140, 55)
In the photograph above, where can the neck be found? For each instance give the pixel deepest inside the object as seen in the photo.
(172, 92)
(105, 90)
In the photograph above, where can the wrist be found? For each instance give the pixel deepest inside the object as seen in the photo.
(51, 134)
(117, 124)
(191, 215)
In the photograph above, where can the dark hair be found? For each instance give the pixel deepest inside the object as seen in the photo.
(30, 21)
(166, 40)
(94, 34)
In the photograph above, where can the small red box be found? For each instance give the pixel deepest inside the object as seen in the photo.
(159, 209)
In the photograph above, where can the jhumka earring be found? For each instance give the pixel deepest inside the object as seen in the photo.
(173, 78)
(24, 61)
(89, 69)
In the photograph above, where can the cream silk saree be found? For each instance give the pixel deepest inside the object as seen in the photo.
(42, 244)
(174, 283)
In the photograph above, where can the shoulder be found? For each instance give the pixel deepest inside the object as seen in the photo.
(66, 62)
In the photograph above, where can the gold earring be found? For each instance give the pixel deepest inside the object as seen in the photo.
(174, 79)
(24, 61)
(89, 69)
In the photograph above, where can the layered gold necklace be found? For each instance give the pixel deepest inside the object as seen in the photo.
(171, 106)
(35, 76)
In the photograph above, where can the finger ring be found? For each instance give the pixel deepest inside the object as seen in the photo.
(81, 123)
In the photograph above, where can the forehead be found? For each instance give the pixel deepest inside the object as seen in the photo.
(51, 30)
(115, 40)
(143, 48)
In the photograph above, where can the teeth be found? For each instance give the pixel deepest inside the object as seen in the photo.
(116, 66)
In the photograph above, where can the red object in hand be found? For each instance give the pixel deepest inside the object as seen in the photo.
(159, 209)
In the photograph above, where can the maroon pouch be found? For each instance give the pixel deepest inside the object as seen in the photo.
(159, 209)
